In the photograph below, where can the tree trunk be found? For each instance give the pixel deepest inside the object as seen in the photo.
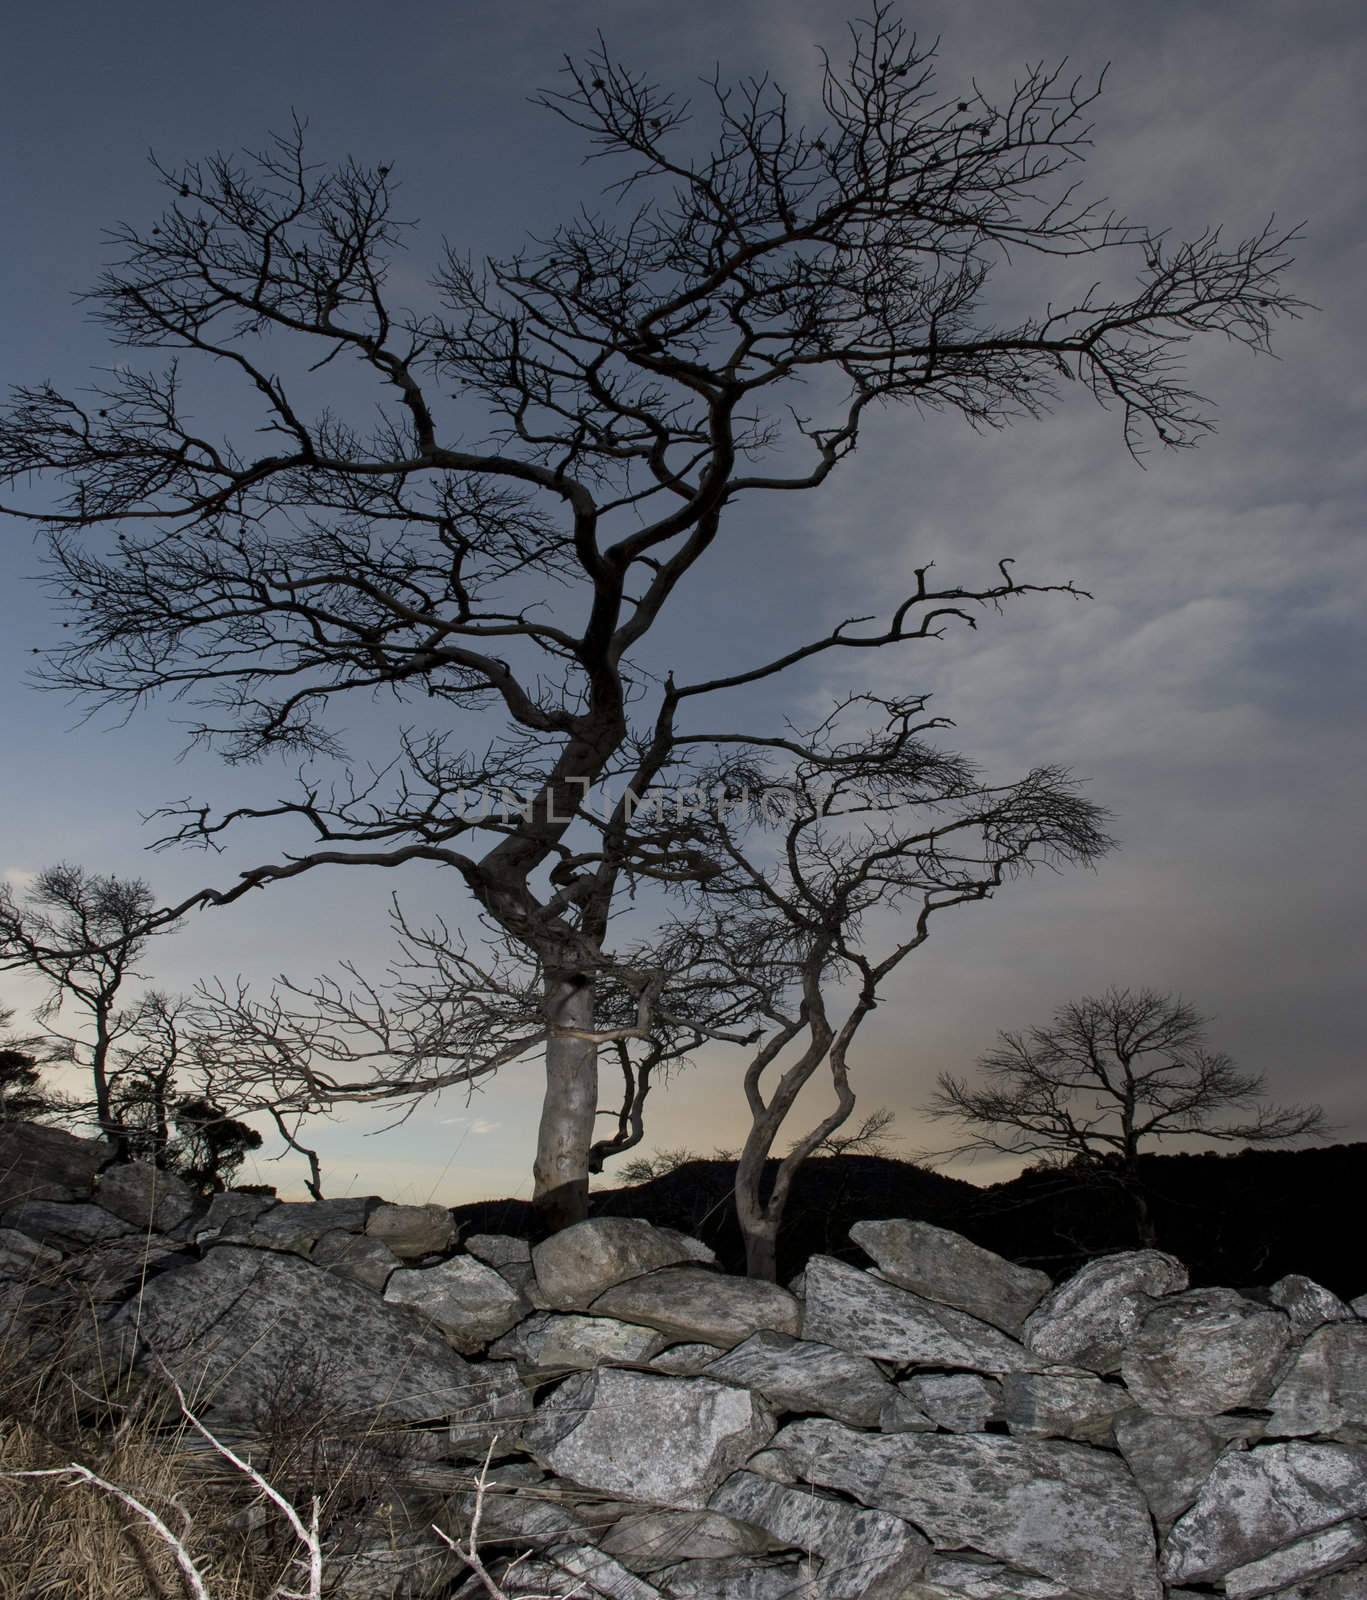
(561, 1172)
(761, 1252)
(758, 1228)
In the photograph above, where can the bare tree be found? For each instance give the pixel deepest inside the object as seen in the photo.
(628, 384)
(1107, 1076)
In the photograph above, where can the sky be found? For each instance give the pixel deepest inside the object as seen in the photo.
(1210, 691)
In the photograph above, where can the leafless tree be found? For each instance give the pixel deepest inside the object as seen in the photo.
(1108, 1075)
(625, 385)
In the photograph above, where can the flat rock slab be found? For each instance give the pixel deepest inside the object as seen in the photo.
(40, 1163)
(740, 1578)
(856, 1311)
(471, 1303)
(1256, 1501)
(575, 1266)
(244, 1330)
(687, 1360)
(697, 1304)
(1041, 1405)
(553, 1339)
(945, 1266)
(145, 1197)
(1089, 1319)
(1322, 1553)
(643, 1437)
(1326, 1389)
(1060, 1510)
(1170, 1457)
(66, 1226)
(498, 1249)
(961, 1402)
(412, 1231)
(1203, 1352)
(970, 1578)
(800, 1375)
(23, 1258)
(356, 1256)
(865, 1554)
(654, 1539)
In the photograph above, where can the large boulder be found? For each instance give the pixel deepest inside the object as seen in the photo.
(39, 1163)
(1045, 1405)
(697, 1304)
(856, 1311)
(667, 1441)
(1203, 1352)
(1256, 1501)
(865, 1554)
(245, 1332)
(551, 1340)
(1307, 1303)
(144, 1196)
(412, 1231)
(65, 1225)
(471, 1303)
(1061, 1510)
(1326, 1389)
(1089, 1319)
(1170, 1458)
(945, 1266)
(798, 1375)
(575, 1266)
(356, 1256)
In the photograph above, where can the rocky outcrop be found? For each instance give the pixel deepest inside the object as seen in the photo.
(941, 1426)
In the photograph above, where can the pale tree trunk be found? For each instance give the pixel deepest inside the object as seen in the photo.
(561, 1171)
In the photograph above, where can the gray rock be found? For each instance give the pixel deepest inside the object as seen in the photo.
(230, 1212)
(1307, 1303)
(511, 1515)
(520, 1277)
(865, 1554)
(298, 1224)
(112, 1269)
(23, 1258)
(1349, 1585)
(356, 1256)
(856, 1311)
(244, 1331)
(1359, 1306)
(552, 1339)
(1060, 1510)
(945, 1266)
(654, 1539)
(576, 1265)
(740, 1578)
(498, 1249)
(798, 1375)
(1170, 1457)
(772, 1464)
(1257, 1500)
(1089, 1319)
(962, 1402)
(469, 1302)
(667, 1441)
(1042, 1405)
(697, 1304)
(65, 1225)
(902, 1415)
(585, 1564)
(40, 1163)
(972, 1578)
(412, 1231)
(686, 1360)
(1322, 1553)
(144, 1197)
(1205, 1351)
(1326, 1389)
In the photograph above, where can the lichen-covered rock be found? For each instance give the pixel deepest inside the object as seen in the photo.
(686, 1360)
(865, 1554)
(962, 1402)
(1326, 1389)
(1170, 1457)
(944, 1266)
(22, 1258)
(145, 1197)
(356, 1256)
(1203, 1352)
(798, 1375)
(244, 1331)
(575, 1266)
(412, 1231)
(902, 1415)
(1321, 1553)
(654, 1539)
(1058, 1509)
(740, 1578)
(230, 1213)
(666, 1441)
(65, 1225)
(553, 1339)
(973, 1578)
(855, 1311)
(1256, 1501)
(696, 1304)
(1307, 1303)
(498, 1249)
(471, 1303)
(1088, 1320)
(41, 1163)
(1061, 1406)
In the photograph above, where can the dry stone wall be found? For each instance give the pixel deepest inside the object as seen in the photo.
(940, 1424)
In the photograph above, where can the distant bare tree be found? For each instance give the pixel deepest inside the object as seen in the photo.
(1109, 1075)
(621, 387)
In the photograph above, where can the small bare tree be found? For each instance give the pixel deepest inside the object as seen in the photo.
(1107, 1076)
(621, 387)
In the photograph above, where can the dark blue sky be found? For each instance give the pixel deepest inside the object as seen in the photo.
(1212, 691)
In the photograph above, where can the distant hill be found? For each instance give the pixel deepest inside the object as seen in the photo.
(1244, 1218)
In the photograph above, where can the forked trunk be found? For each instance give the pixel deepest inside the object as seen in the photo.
(560, 1195)
(758, 1227)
